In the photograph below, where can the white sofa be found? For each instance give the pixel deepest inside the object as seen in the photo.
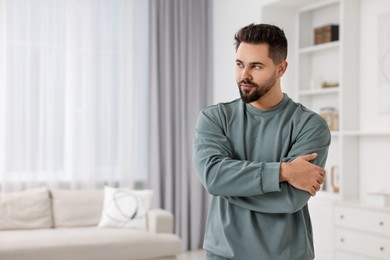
(62, 224)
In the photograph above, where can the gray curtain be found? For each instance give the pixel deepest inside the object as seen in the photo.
(180, 86)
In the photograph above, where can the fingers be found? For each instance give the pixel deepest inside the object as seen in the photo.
(320, 181)
(315, 189)
(309, 157)
(322, 172)
(312, 191)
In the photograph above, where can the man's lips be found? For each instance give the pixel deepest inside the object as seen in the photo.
(246, 87)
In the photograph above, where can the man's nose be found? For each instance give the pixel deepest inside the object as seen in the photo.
(245, 74)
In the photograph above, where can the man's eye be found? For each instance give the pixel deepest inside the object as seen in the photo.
(240, 65)
(256, 67)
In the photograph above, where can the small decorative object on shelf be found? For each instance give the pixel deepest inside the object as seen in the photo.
(325, 185)
(331, 116)
(326, 33)
(335, 178)
(329, 84)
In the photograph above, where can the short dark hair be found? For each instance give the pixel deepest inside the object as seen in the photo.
(264, 33)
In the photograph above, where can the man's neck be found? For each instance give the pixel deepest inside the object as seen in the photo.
(269, 101)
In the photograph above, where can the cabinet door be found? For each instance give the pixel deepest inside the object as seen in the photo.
(321, 219)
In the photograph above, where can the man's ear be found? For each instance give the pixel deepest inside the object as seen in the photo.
(282, 67)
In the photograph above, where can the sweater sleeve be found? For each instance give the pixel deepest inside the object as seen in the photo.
(289, 199)
(223, 176)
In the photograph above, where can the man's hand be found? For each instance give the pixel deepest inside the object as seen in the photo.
(302, 174)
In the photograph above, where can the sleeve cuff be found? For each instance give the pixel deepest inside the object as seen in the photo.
(270, 177)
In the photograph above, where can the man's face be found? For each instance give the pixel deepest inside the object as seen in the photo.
(255, 71)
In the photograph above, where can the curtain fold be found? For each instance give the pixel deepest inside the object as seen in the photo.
(180, 87)
(70, 97)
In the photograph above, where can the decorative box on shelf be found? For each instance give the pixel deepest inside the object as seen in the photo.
(326, 33)
(329, 84)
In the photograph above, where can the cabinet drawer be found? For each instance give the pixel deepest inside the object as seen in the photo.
(341, 255)
(362, 243)
(362, 219)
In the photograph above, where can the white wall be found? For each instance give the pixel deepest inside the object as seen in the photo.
(374, 150)
(229, 17)
(370, 96)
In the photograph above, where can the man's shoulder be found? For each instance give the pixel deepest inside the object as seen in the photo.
(223, 107)
(301, 109)
(305, 115)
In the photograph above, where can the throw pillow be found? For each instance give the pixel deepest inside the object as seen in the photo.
(125, 208)
(29, 209)
(76, 208)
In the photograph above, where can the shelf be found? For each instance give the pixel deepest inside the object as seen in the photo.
(360, 133)
(320, 91)
(335, 133)
(367, 133)
(315, 5)
(329, 195)
(320, 47)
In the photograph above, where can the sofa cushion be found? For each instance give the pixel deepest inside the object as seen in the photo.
(87, 243)
(125, 208)
(76, 208)
(28, 209)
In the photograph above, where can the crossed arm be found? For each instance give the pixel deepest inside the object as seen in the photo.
(269, 187)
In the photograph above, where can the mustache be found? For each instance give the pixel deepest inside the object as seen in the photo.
(247, 82)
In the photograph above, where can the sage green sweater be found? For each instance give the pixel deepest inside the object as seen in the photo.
(237, 154)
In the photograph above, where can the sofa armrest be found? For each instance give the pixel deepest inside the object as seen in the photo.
(160, 221)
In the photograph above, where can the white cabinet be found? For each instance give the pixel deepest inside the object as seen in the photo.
(320, 208)
(361, 232)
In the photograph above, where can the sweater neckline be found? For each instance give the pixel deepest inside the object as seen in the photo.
(268, 112)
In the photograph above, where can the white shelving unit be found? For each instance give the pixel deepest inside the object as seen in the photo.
(334, 62)
(310, 66)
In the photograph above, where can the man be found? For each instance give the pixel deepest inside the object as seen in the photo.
(261, 157)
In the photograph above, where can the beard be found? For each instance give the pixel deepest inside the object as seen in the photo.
(257, 91)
